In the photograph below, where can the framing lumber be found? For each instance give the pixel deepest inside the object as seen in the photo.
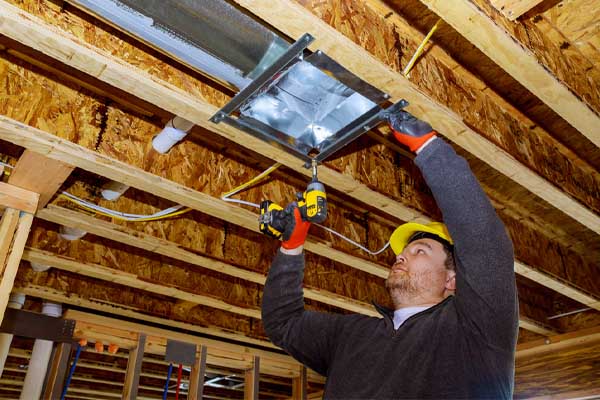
(519, 62)
(292, 19)
(57, 371)
(15, 197)
(134, 367)
(558, 342)
(513, 9)
(60, 149)
(40, 174)
(173, 250)
(67, 298)
(70, 153)
(219, 353)
(131, 280)
(300, 385)
(252, 380)
(197, 373)
(8, 269)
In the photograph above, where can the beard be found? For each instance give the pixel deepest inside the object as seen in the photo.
(402, 284)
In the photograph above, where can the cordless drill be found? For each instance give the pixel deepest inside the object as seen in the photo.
(312, 205)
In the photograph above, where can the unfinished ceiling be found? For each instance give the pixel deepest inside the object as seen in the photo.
(520, 100)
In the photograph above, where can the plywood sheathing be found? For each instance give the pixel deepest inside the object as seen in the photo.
(547, 43)
(454, 87)
(559, 372)
(102, 292)
(465, 53)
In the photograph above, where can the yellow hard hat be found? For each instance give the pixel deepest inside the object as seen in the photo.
(404, 232)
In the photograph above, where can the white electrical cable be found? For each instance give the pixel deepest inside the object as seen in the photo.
(127, 216)
(374, 253)
(227, 198)
(247, 203)
(6, 165)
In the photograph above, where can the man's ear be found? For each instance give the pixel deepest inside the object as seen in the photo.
(450, 280)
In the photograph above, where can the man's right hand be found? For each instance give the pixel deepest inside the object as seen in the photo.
(409, 130)
(294, 228)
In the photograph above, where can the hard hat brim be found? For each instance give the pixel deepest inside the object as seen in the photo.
(404, 232)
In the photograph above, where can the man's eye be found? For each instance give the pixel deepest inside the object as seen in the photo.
(420, 251)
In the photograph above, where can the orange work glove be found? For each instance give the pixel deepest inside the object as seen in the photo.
(294, 228)
(409, 130)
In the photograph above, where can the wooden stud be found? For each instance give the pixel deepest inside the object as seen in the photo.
(8, 269)
(196, 387)
(513, 9)
(252, 380)
(300, 385)
(40, 174)
(55, 378)
(558, 342)
(134, 367)
(15, 197)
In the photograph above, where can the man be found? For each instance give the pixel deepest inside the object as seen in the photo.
(453, 331)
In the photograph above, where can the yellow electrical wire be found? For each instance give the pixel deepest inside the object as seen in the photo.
(173, 214)
(415, 56)
(252, 181)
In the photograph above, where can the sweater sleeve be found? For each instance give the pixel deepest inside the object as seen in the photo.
(485, 281)
(308, 336)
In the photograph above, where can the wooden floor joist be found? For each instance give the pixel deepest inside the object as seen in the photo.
(70, 153)
(519, 62)
(292, 19)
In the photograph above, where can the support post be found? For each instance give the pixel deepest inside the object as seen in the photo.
(134, 367)
(11, 250)
(58, 368)
(300, 385)
(252, 377)
(197, 375)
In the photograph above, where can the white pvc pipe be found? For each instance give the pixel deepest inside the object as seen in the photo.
(113, 190)
(16, 300)
(37, 267)
(175, 130)
(40, 357)
(68, 233)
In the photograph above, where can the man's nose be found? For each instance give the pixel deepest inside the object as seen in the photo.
(400, 259)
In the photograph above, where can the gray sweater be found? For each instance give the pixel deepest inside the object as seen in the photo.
(463, 347)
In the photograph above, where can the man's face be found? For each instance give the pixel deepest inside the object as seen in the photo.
(419, 273)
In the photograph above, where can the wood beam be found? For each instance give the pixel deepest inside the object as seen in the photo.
(519, 62)
(15, 197)
(219, 353)
(69, 298)
(134, 367)
(196, 386)
(513, 9)
(558, 343)
(173, 250)
(56, 374)
(59, 45)
(131, 280)
(56, 148)
(14, 245)
(40, 174)
(252, 380)
(70, 153)
(292, 19)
